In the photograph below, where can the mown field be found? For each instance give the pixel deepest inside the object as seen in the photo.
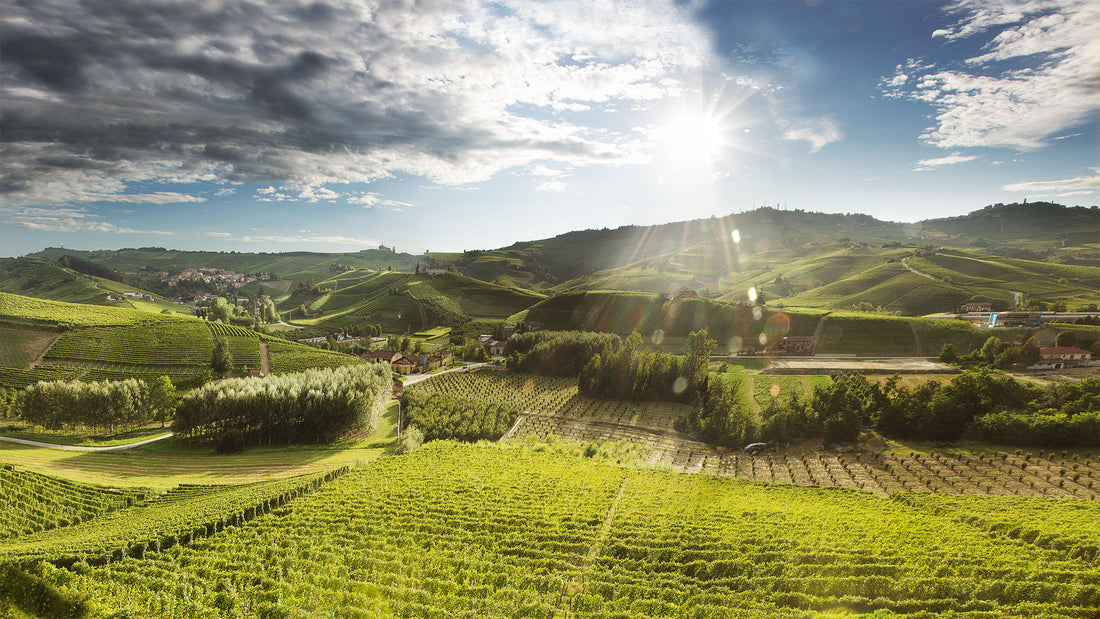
(487, 531)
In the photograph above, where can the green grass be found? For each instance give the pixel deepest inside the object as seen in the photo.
(851, 333)
(81, 439)
(19, 347)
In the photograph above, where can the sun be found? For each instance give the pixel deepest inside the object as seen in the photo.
(692, 139)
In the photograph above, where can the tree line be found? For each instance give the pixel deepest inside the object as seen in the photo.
(105, 405)
(312, 406)
(556, 353)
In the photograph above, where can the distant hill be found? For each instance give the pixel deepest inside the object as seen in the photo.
(794, 258)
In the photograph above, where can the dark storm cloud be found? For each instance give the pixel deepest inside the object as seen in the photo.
(99, 94)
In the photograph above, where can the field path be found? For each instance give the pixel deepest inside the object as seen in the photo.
(921, 273)
(265, 359)
(79, 448)
(605, 530)
(45, 350)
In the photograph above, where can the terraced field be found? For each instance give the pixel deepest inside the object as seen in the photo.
(484, 531)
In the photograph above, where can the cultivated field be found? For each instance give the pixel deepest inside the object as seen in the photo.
(488, 531)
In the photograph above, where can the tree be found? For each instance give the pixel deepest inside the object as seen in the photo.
(1066, 338)
(949, 354)
(697, 348)
(1030, 353)
(161, 399)
(992, 347)
(223, 359)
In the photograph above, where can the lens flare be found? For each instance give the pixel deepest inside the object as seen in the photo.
(658, 337)
(736, 235)
(752, 294)
(757, 313)
(763, 339)
(679, 385)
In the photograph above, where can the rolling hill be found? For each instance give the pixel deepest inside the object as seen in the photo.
(50, 340)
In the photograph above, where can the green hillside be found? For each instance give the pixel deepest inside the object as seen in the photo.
(403, 302)
(50, 340)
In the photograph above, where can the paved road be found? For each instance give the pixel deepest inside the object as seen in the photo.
(79, 448)
(412, 379)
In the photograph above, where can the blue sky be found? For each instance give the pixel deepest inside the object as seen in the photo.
(457, 124)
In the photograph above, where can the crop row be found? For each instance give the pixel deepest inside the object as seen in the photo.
(12, 377)
(287, 358)
(245, 350)
(173, 518)
(181, 380)
(184, 342)
(41, 311)
(32, 502)
(551, 396)
(484, 531)
(220, 328)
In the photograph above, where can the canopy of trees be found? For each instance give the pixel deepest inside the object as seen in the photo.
(311, 406)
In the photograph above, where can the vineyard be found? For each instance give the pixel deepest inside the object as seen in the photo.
(178, 516)
(32, 502)
(484, 531)
(12, 377)
(288, 357)
(181, 342)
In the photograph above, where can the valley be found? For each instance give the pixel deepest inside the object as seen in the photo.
(578, 447)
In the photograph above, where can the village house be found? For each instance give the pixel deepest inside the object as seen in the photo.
(535, 325)
(405, 364)
(495, 348)
(1059, 357)
(131, 294)
(378, 356)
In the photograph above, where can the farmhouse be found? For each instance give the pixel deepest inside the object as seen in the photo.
(495, 348)
(1058, 357)
(378, 356)
(406, 364)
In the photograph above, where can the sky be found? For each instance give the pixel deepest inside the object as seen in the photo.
(450, 125)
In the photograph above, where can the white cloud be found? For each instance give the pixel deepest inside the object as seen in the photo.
(938, 162)
(299, 239)
(371, 200)
(1080, 185)
(454, 91)
(551, 186)
(226, 191)
(64, 219)
(819, 132)
(1034, 78)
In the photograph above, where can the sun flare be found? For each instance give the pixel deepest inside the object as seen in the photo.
(692, 139)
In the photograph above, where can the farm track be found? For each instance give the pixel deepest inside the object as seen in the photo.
(81, 448)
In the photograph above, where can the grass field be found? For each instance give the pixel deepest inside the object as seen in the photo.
(20, 347)
(161, 467)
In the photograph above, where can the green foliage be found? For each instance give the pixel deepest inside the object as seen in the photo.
(184, 513)
(411, 439)
(444, 416)
(1048, 428)
(176, 342)
(627, 373)
(555, 353)
(222, 359)
(107, 404)
(290, 357)
(316, 405)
